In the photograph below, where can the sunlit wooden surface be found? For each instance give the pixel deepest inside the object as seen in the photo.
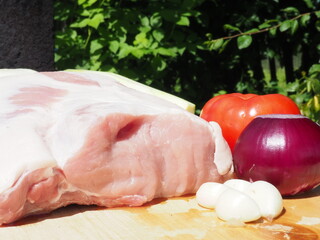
(178, 218)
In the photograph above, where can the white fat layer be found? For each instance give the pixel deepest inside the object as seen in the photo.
(14, 72)
(22, 149)
(222, 155)
(141, 87)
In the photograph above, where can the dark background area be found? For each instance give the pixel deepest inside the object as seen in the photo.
(26, 34)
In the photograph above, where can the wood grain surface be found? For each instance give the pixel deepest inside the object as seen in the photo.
(176, 218)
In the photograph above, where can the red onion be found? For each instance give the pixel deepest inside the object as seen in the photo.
(281, 149)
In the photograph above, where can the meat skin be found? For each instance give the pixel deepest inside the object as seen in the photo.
(84, 138)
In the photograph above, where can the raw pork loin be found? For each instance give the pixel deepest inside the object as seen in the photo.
(84, 138)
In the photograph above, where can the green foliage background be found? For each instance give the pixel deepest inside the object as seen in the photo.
(196, 49)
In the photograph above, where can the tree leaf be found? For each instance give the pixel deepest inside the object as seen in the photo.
(230, 27)
(305, 19)
(144, 21)
(316, 85)
(294, 26)
(154, 45)
(309, 3)
(290, 9)
(85, 13)
(181, 50)
(96, 65)
(316, 103)
(270, 53)
(95, 45)
(273, 31)
(125, 50)
(292, 86)
(91, 2)
(80, 2)
(253, 30)
(138, 53)
(285, 25)
(114, 46)
(57, 57)
(308, 86)
(156, 20)
(142, 40)
(224, 45)
(170, 52)
(158, 34)
(216, 44)
(315, 68)
(158, 63)
(244, 41)
(81, 24)
(183, 21)
(96, 20)
(264, 25)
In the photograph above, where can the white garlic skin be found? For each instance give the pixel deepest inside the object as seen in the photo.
(208, 194)
(268, 198)
(233, 205)
(238, 184)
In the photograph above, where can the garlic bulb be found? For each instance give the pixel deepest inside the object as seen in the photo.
(240, 200)
(233, 205)
(208, 194)
(267, 197)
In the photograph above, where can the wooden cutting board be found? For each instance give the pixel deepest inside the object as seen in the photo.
(177, 218)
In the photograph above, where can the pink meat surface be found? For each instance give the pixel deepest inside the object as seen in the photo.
(84, 138)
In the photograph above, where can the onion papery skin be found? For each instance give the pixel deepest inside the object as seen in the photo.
(283, 150)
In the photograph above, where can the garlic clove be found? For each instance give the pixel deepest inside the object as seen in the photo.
(208, 194)
(267, 197)
(233, 205)
(238, 184)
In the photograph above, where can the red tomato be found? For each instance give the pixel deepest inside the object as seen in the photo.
(234, 111)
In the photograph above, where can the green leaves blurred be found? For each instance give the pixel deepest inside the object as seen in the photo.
(244, 39)
(306, 92)
(142, 40)
(188, 47)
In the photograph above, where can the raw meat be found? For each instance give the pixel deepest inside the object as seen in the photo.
(84, 138)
